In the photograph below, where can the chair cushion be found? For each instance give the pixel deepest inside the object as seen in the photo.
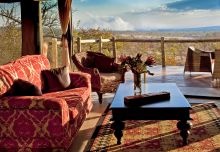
(55, 79)
(23, 88)
(104, 63)
(110, 77)
(110, 81)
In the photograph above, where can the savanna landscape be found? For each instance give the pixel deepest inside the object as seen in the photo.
(10, 47)
(175, 52)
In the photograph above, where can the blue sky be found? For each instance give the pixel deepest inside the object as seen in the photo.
(146, 14)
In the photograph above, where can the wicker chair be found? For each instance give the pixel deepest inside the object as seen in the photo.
(198, 61)
(101, 82)
(216, 69)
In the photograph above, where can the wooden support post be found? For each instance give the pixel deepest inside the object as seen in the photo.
(100, 44)
(114, 48)
(31, 27)
(163, 52)
(54, 62)
(79, 44)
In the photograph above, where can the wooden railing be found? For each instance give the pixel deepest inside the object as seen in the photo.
(114, 41)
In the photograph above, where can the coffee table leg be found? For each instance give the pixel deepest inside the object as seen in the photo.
(184, 126)
(118, 126)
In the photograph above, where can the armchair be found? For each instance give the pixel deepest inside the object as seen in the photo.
(101, 81)
(198, 61)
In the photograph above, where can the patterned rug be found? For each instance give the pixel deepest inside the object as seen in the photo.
(161, 136)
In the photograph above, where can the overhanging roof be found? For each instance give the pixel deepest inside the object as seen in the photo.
(9, 1)
(12, 1)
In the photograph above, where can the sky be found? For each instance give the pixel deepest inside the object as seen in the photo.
(140, 15)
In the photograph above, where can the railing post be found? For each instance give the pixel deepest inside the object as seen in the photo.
(54, 53)
(100, 44)
(162, 52)
(79, 44)
(114, 48)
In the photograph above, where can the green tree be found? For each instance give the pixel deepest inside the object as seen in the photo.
(10, 46)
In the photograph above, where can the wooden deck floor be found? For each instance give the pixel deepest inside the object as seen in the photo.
(196, 84)
(175, 74)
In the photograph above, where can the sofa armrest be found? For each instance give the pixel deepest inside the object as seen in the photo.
(95, 78)
(36, 103)
(80, 79)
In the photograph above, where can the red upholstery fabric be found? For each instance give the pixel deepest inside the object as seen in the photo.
(26, 68)
(10, 72)
(33, 65)
(78, 101)
(41, 123)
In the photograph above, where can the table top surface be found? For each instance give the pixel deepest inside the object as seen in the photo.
(177, 99)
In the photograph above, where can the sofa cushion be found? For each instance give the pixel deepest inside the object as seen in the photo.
(23, 88)
(55, 79)
(104, 63)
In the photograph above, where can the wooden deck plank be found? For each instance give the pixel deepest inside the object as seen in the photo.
(196, 84)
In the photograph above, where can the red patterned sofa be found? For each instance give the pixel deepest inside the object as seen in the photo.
(41, 123)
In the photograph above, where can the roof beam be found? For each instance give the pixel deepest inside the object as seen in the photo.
(9, 1)
(13, 1)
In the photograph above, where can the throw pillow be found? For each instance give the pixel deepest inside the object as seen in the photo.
(23, 88)
(104, 63)
(56, 79)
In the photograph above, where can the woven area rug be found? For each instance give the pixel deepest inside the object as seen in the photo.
(161, 136)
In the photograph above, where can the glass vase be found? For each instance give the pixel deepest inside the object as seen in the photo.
(137, 83)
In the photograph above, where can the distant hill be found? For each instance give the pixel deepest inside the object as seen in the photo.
(195, 29)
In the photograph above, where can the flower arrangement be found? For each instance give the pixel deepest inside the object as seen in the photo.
(136, 64)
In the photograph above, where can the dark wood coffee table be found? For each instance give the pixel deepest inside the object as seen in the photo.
(176, 108)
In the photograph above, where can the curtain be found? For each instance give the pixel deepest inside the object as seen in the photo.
(64, 7)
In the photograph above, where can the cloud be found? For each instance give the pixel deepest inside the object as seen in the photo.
(108, 23)
(178, 14)
(151, 20)
(194, 5)
(162, 19)
(161, 9)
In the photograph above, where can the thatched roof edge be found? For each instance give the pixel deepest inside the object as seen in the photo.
(13, 1)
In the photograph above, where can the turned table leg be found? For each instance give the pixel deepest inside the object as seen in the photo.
(184, 126)
(118, 127)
